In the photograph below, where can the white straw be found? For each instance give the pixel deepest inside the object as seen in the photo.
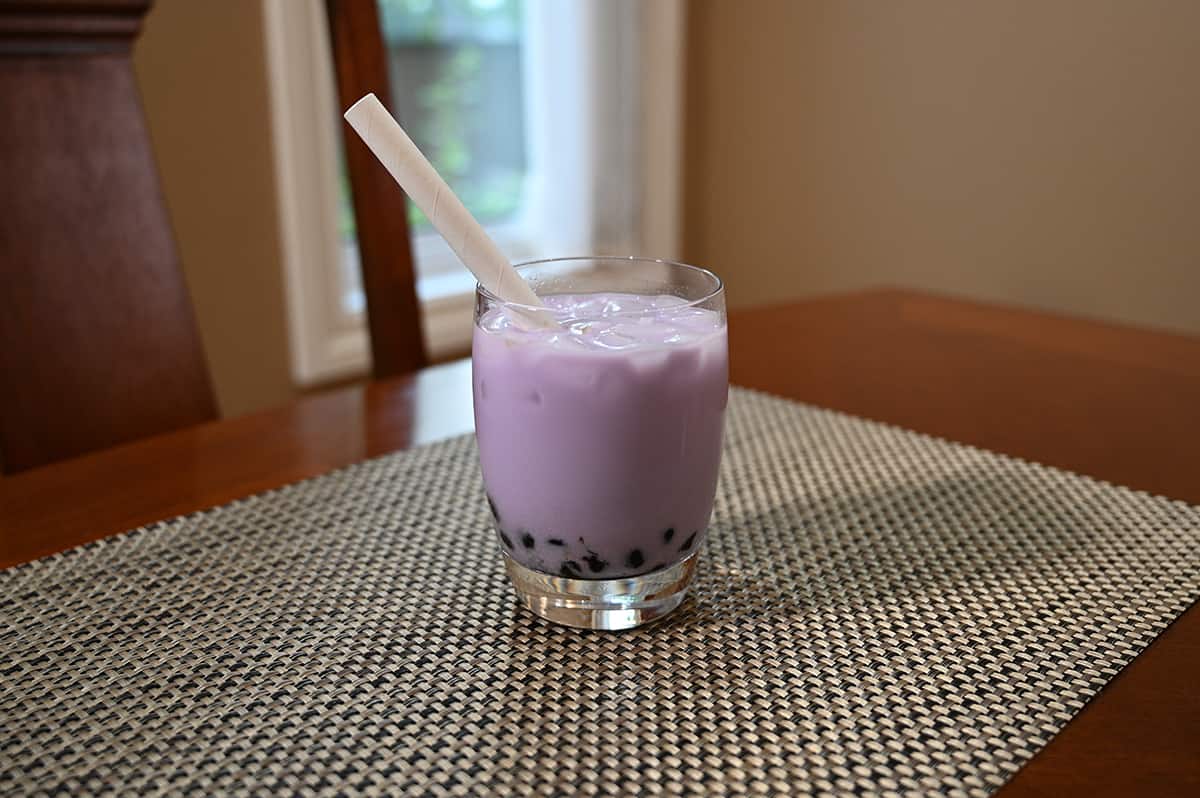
(396, 151)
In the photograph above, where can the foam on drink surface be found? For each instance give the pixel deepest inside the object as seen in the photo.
(612, 322)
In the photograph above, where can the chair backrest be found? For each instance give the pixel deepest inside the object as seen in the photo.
(380, 209)
(98, 342)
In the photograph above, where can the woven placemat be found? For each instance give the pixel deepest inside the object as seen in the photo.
(876, 611)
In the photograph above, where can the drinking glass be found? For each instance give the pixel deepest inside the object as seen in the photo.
(600, 438)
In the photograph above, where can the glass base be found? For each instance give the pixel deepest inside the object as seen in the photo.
(602, 603)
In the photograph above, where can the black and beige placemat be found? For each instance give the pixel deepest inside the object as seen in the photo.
(876, 611)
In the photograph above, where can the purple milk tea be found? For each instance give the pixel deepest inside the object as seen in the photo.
(600, 441)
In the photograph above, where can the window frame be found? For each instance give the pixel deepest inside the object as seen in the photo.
(328, 343)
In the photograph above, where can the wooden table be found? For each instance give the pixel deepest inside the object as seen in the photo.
(1112, 402)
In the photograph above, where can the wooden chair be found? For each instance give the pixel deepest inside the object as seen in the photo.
(380, 213)
(98, 343)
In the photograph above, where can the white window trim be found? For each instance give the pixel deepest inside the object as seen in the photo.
(300, 77)
(300, 80)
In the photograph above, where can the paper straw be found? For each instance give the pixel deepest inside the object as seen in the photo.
(474, 247)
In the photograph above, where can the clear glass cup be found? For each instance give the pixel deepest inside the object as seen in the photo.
(600, 439)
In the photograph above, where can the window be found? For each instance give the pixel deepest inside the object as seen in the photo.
(455, 68)
(556, 122)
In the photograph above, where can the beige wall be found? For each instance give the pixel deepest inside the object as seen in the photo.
(202, 72)
(1039, 152)
(1044, 153)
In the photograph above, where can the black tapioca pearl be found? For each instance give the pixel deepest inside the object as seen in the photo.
(570, 568)
(635, 559)
(556, 542)
(595, 563)
(527, 540)
(687, 544)
(670, 533)
(506, 540)
(492, 507)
